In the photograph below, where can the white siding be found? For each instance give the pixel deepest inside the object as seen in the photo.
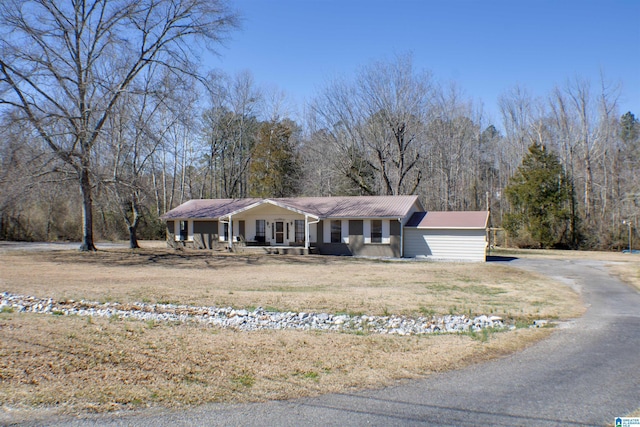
(326, 231)
(313, 233)
(386, 231)
(453, 244)
(366, 231)
(345, 231)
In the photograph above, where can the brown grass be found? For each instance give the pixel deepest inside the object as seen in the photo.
(628, 272)
(79, 364)
(76, 364)
(624, 266)
(286, 283)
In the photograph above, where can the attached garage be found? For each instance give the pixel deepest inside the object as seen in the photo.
(454, 236)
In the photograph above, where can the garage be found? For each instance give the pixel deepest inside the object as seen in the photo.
(451, 236)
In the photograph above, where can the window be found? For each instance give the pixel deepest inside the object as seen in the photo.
(260, 230)
(376, 231)
(226, 231)
(336, 231)
(184, 230)
(299, 231)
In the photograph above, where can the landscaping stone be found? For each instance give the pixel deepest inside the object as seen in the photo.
(257, 319)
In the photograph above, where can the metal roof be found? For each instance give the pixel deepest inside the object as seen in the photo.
(355, 206)
(449, 219)
(208, 208)
(321, 207)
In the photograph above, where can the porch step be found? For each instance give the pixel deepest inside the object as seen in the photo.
(277, 250)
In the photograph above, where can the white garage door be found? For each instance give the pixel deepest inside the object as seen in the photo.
(450, 244)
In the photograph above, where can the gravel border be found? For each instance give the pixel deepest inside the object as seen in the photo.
(246, 320)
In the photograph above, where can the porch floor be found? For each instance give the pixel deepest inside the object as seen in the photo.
(280, 250)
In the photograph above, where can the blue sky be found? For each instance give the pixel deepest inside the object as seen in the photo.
(486, 47)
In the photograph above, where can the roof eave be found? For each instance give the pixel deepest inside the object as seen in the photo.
(448, 228)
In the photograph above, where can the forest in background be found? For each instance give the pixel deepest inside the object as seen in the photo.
(392, 129)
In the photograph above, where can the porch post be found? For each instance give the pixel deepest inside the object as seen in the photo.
(306, 232)
(230, 228)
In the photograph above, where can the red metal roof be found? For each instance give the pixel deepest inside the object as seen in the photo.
(449, 219)
(321, 207)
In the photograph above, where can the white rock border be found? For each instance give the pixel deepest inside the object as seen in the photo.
(258, 319)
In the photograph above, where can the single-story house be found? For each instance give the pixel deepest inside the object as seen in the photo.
(359, 225)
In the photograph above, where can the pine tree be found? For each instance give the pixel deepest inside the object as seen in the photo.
(540, 196)
(274, 169)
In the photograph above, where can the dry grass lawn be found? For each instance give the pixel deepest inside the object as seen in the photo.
(625, 266)
(76, 364)
(285, 283)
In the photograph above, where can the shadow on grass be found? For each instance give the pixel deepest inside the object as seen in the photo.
(178, 258)
(498, 258)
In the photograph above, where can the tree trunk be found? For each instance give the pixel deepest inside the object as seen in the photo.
(87, 211)
(133, 238)
(133, 225)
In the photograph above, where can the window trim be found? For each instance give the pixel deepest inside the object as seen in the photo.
(178, 234)
(335, 230)
(376, 231)
(298, 230)
(367, 232)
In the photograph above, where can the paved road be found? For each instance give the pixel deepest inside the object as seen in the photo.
(6, 246)
(585, 374)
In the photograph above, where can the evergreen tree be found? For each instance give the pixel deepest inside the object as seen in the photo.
(629, 128)
(274, 169)
(541, 197)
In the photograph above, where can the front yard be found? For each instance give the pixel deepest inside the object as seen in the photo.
(72, 363)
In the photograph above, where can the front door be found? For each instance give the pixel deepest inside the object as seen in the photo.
(279, 232)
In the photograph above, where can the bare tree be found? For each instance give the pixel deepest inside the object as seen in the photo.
(517, 108)
(230, 129)
(133, 138)
(65, 65)
(452, 138)
(377, 123)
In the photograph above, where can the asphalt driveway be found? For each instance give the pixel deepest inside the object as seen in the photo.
(586, 373)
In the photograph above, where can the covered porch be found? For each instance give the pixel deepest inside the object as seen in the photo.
(270, 226)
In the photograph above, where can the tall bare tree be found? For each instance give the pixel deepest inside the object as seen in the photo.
(230, 129)
(65, 64)
(377, 123)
